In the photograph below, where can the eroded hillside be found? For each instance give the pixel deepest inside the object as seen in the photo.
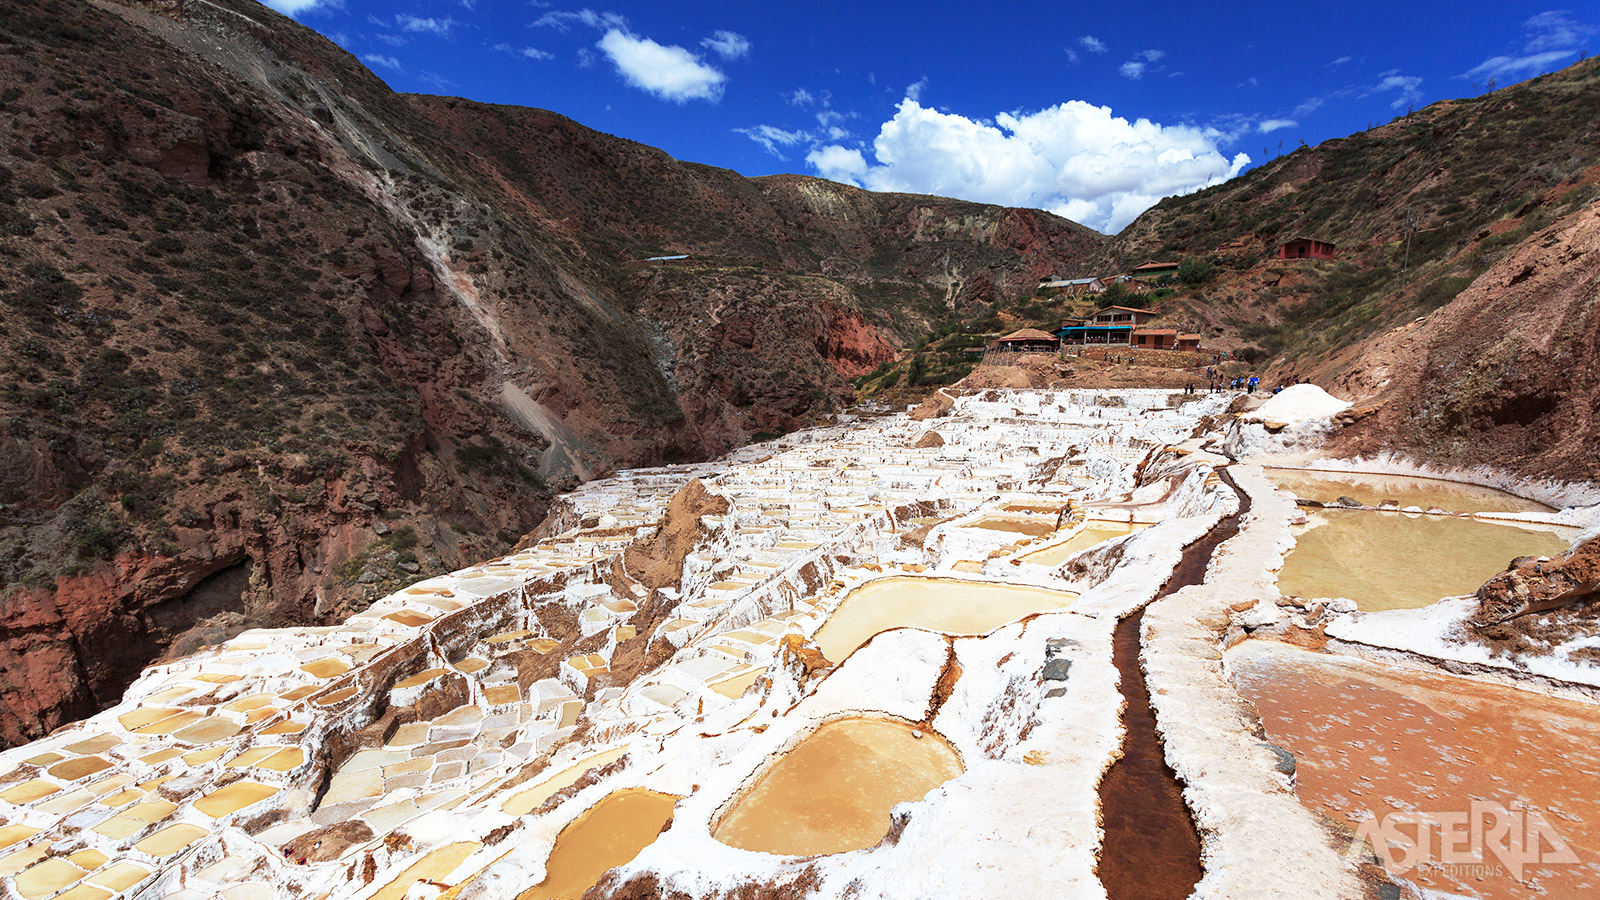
(278, 339)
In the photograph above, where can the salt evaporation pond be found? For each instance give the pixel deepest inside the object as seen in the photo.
(937, 604)
(606, 836)
(1387, 560)
(834, 790)
(1092, 534)
(1406, 490)
(1373, 740)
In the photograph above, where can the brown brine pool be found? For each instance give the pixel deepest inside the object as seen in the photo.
(1393, 745)
(609, 834)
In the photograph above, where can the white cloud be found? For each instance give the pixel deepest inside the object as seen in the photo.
(771, 137)
(914, 90)
(525, 52)
(1132, 69)
(727, 45)
(669, 72)
(1406, 88)
(1271, 125)
(836, 163)
(1092, 44)
(1555, 30)
(387, 62)
(1339, 62)
(1072, 55)
(429, 25)
(393, 40)
(1511, 66)
(1151, 55)
(1549, 38)
(562, 20)
(296, 7)
(801, 97)
(1075, 159)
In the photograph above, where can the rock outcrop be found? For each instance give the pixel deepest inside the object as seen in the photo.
(1536, 585)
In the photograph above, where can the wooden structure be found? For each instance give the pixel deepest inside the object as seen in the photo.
(1028, 340)
(1306, 248)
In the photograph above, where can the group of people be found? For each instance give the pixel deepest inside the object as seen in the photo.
(1216, 382)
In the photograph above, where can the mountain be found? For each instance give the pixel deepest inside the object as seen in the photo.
(277, 339)
(1462, 301)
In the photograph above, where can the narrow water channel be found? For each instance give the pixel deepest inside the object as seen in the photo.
(1151, 849)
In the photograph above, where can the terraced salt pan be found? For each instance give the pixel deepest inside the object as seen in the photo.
(834, 790)
(937, 604)
(1093, 533)
(609, 834)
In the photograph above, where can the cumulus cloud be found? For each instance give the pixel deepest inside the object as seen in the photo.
(386, 62)
(429, 25)
(727, 44)
(1075, 159)
(1271, 125)
(801, 97)
(836, 163)
(670, 72)
(1092, 44)
(1133, 69)
(1549, 39)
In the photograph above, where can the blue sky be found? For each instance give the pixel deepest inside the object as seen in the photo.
(1093, 111)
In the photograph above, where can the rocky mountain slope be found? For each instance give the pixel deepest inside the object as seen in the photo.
(276, 338)
(1462, 303)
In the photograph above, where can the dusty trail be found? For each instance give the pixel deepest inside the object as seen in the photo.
(1151, 849)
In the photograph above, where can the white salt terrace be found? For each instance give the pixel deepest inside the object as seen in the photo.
(210, 766)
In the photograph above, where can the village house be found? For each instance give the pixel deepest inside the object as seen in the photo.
(1112, 326)
(1306, 248)
(1073, 287)
(1153, 270)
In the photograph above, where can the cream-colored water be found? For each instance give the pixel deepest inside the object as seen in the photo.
(834, 790)
(171, 839)
(1015, 524)
(1092, 534)
(1404, 490)
(232, 798)
(954, 607)
(1385, 560)
(609, 835)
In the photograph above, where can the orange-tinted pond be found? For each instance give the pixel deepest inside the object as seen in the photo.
(834, 790)
(1393, 744)
(939, 604)
(609, 835)
(1386, 560)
